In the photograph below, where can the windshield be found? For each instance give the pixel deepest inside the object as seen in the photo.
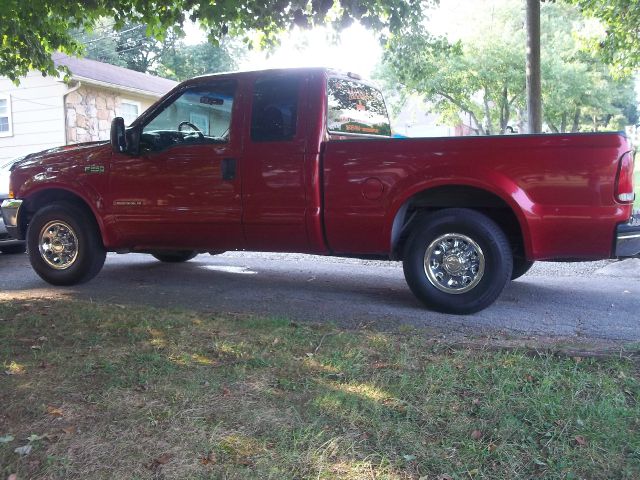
(356, 108)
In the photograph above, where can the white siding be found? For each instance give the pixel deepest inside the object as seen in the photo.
(38, 122)
(144, 101)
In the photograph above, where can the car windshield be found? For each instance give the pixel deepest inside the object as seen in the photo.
(356, 108)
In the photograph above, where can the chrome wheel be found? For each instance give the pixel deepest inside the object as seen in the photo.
(58, 245)
(454, 263)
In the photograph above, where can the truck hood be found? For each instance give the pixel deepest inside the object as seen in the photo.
(56, 155)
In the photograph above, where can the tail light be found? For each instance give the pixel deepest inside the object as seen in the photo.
(624, 179)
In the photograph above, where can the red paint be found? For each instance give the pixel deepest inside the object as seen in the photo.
(336, 195)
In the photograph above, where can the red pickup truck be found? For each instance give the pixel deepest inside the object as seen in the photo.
(302, 160)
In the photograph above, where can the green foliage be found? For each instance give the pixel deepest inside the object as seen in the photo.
(481, 73)
(30, 31)
(130, 47)
(621, 20)
(187, 61)
(579, 92)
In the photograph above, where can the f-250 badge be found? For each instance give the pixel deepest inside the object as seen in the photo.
(94, 169)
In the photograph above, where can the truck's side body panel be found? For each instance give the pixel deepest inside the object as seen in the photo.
(560, 187)
(317, 195)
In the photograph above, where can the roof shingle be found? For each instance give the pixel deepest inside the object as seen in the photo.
(117, 76)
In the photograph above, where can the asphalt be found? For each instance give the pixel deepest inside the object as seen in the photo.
(588, 301)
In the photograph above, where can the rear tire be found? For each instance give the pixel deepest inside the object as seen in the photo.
(457, 260)
(14, 249)
(177, 256)
(520, 267)
(64, 244)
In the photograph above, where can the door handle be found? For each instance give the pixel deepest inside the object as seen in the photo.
(228, 168)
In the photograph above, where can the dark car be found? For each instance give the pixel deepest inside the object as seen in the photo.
(7, 244)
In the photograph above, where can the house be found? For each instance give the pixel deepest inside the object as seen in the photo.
(44, 112)
(414, 120)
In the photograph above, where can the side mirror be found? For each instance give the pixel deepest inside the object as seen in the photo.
(118, 135)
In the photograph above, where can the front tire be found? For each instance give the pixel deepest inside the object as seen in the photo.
(64, 244)
(457, 261)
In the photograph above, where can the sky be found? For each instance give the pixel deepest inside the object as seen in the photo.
(357, 50)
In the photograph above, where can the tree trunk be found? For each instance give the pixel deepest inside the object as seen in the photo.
(505, 113)
(576, 121)
(534, 94)
(487, 114)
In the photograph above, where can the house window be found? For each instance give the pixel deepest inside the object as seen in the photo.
(129, 110)
(6, 129)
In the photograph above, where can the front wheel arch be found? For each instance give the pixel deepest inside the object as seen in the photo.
(37, 200)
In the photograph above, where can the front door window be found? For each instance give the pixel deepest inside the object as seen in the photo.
(199, 115)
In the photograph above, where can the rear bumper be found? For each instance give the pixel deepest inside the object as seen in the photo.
(628, 238)
(10, 209)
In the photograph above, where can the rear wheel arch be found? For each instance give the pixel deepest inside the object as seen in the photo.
(458, 196)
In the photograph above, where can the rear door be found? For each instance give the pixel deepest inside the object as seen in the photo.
(273, 167)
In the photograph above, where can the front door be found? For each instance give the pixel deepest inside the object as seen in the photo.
(182, 190)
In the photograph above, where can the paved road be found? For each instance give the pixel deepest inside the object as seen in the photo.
(598, 300)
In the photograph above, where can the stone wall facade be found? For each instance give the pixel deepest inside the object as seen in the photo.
(89, 112)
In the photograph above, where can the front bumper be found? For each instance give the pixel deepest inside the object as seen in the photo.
(10, 209)
(628, 238)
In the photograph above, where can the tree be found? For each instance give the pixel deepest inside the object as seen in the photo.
(131, 48)
(481, 74)
(141, 52)
(30, 31)
(621, 21)
(127, 47)
(186, 61)
(579, 92)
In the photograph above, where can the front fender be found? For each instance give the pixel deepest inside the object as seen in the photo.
(60, 189)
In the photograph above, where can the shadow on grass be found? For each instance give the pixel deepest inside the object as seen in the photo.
(117, 392)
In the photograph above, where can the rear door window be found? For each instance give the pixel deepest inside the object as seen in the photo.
(275, 109)
(356, 108)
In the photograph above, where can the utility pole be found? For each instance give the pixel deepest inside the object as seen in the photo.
(534, 89)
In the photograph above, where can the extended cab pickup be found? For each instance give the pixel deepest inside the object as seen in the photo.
(302, 160)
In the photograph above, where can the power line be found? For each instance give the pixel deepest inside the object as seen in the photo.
(114, 34)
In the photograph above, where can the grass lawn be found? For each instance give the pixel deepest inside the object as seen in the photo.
(113, 392)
